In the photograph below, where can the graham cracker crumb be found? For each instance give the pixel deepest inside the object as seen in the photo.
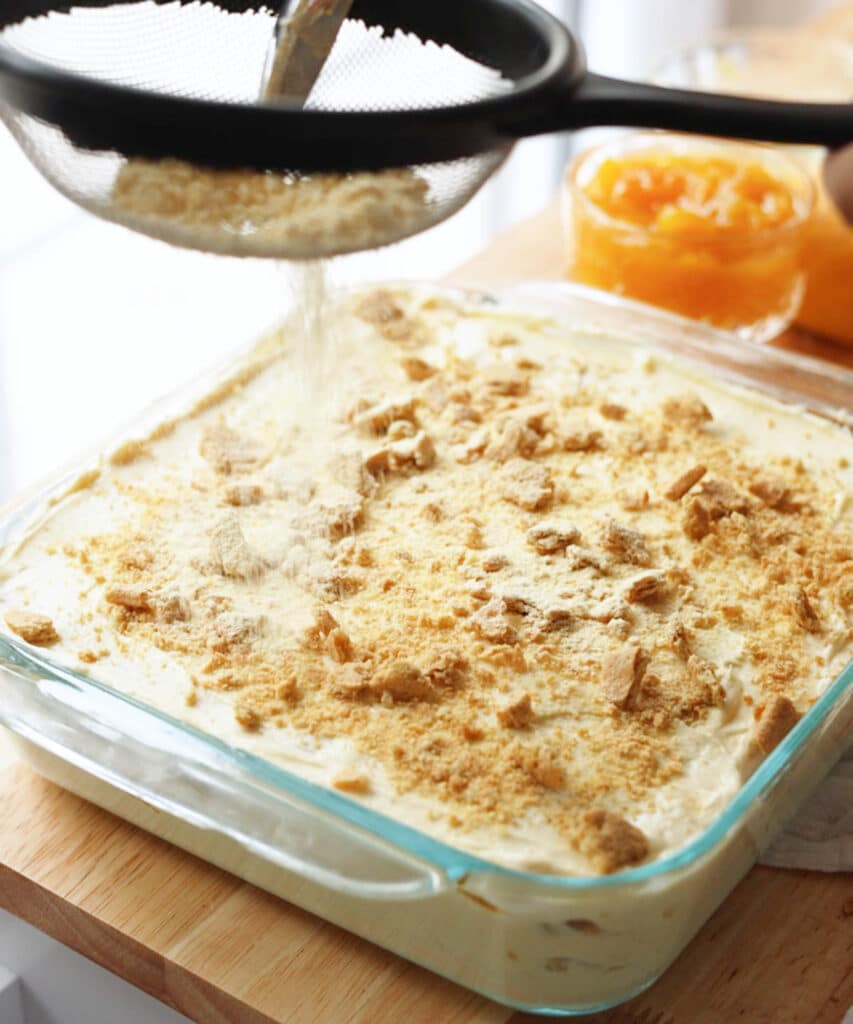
(133, 597)
(621, 674)
(625, 543)
(611, 842)
(348, 782)
(552, 536)
(518, 714)
(779, 718)
(527, 485)
(225, 450)
(677, 490)
(804, 612)
(33, 628)
(649, 588)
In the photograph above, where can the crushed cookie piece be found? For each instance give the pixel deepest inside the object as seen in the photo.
(621, 674)
(376, 419)
(512, 438)
(771, 492)
(612, 411)
(230, 555)
(722, 499)
(417, 369)
(449, 670)
(775, 494)
(472, 733)
(635, 501)
(518, 714)
(462, 412)
(433, 511)
(584, 558)
(416, 453)
(33, 628)
(492, 624)
(422, 452)
(339, 646)
(230, 629)
(128, 452)
(226, 450)
(677, 490)
(546, 770)
(403, 681)
(248, 717)
(648, 588)
(503, 379)
(779, 718)
(349, 470)
(528, 485)
(679, 640)
(552, 536)
(696, 522)
(494, 561)
(379, 463)
(804, 612)
(625, 543)
(133, 597)
(688, 410)
(172, 607)
(473, 536)
(136, 556)
(315, 636)
(352, 782)
(340, 518)
(611, 842)
(556, 618)
(244, 494)
(580, 439)
(400, 430)
(350, 681)
(379, 307)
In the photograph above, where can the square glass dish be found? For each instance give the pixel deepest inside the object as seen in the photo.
(541, 942)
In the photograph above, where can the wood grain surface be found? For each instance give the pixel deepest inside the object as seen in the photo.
(779, 951)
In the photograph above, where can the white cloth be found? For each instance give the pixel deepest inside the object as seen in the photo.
(820, 836)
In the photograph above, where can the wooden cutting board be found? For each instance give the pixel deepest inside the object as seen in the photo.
(779, 951)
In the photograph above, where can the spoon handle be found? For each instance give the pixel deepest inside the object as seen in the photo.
(305, 33)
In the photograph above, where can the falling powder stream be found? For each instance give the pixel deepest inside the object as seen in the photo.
(313, 327)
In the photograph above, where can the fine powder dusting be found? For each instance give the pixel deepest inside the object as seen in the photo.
(253, 213)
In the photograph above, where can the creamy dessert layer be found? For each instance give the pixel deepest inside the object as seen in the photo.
(539, 594)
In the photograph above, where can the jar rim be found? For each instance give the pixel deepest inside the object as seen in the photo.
(786, 171)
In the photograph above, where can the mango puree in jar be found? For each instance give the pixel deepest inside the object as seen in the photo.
(800, 66)
(713, 231)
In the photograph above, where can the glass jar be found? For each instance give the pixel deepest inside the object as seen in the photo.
(723, 239)
(806, 66)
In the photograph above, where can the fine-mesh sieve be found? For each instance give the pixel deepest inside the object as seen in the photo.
(439, 89)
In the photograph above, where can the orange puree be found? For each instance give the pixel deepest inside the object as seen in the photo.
(713, 236)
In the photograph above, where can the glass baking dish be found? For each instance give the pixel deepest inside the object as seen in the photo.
(542, 943)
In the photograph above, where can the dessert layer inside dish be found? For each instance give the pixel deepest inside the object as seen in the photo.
(541, 595)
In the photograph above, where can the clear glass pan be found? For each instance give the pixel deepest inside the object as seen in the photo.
(539, 942)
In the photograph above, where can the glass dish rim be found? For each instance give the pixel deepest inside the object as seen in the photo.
(17, 657)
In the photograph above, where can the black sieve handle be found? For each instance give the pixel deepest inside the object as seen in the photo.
(597, 100)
